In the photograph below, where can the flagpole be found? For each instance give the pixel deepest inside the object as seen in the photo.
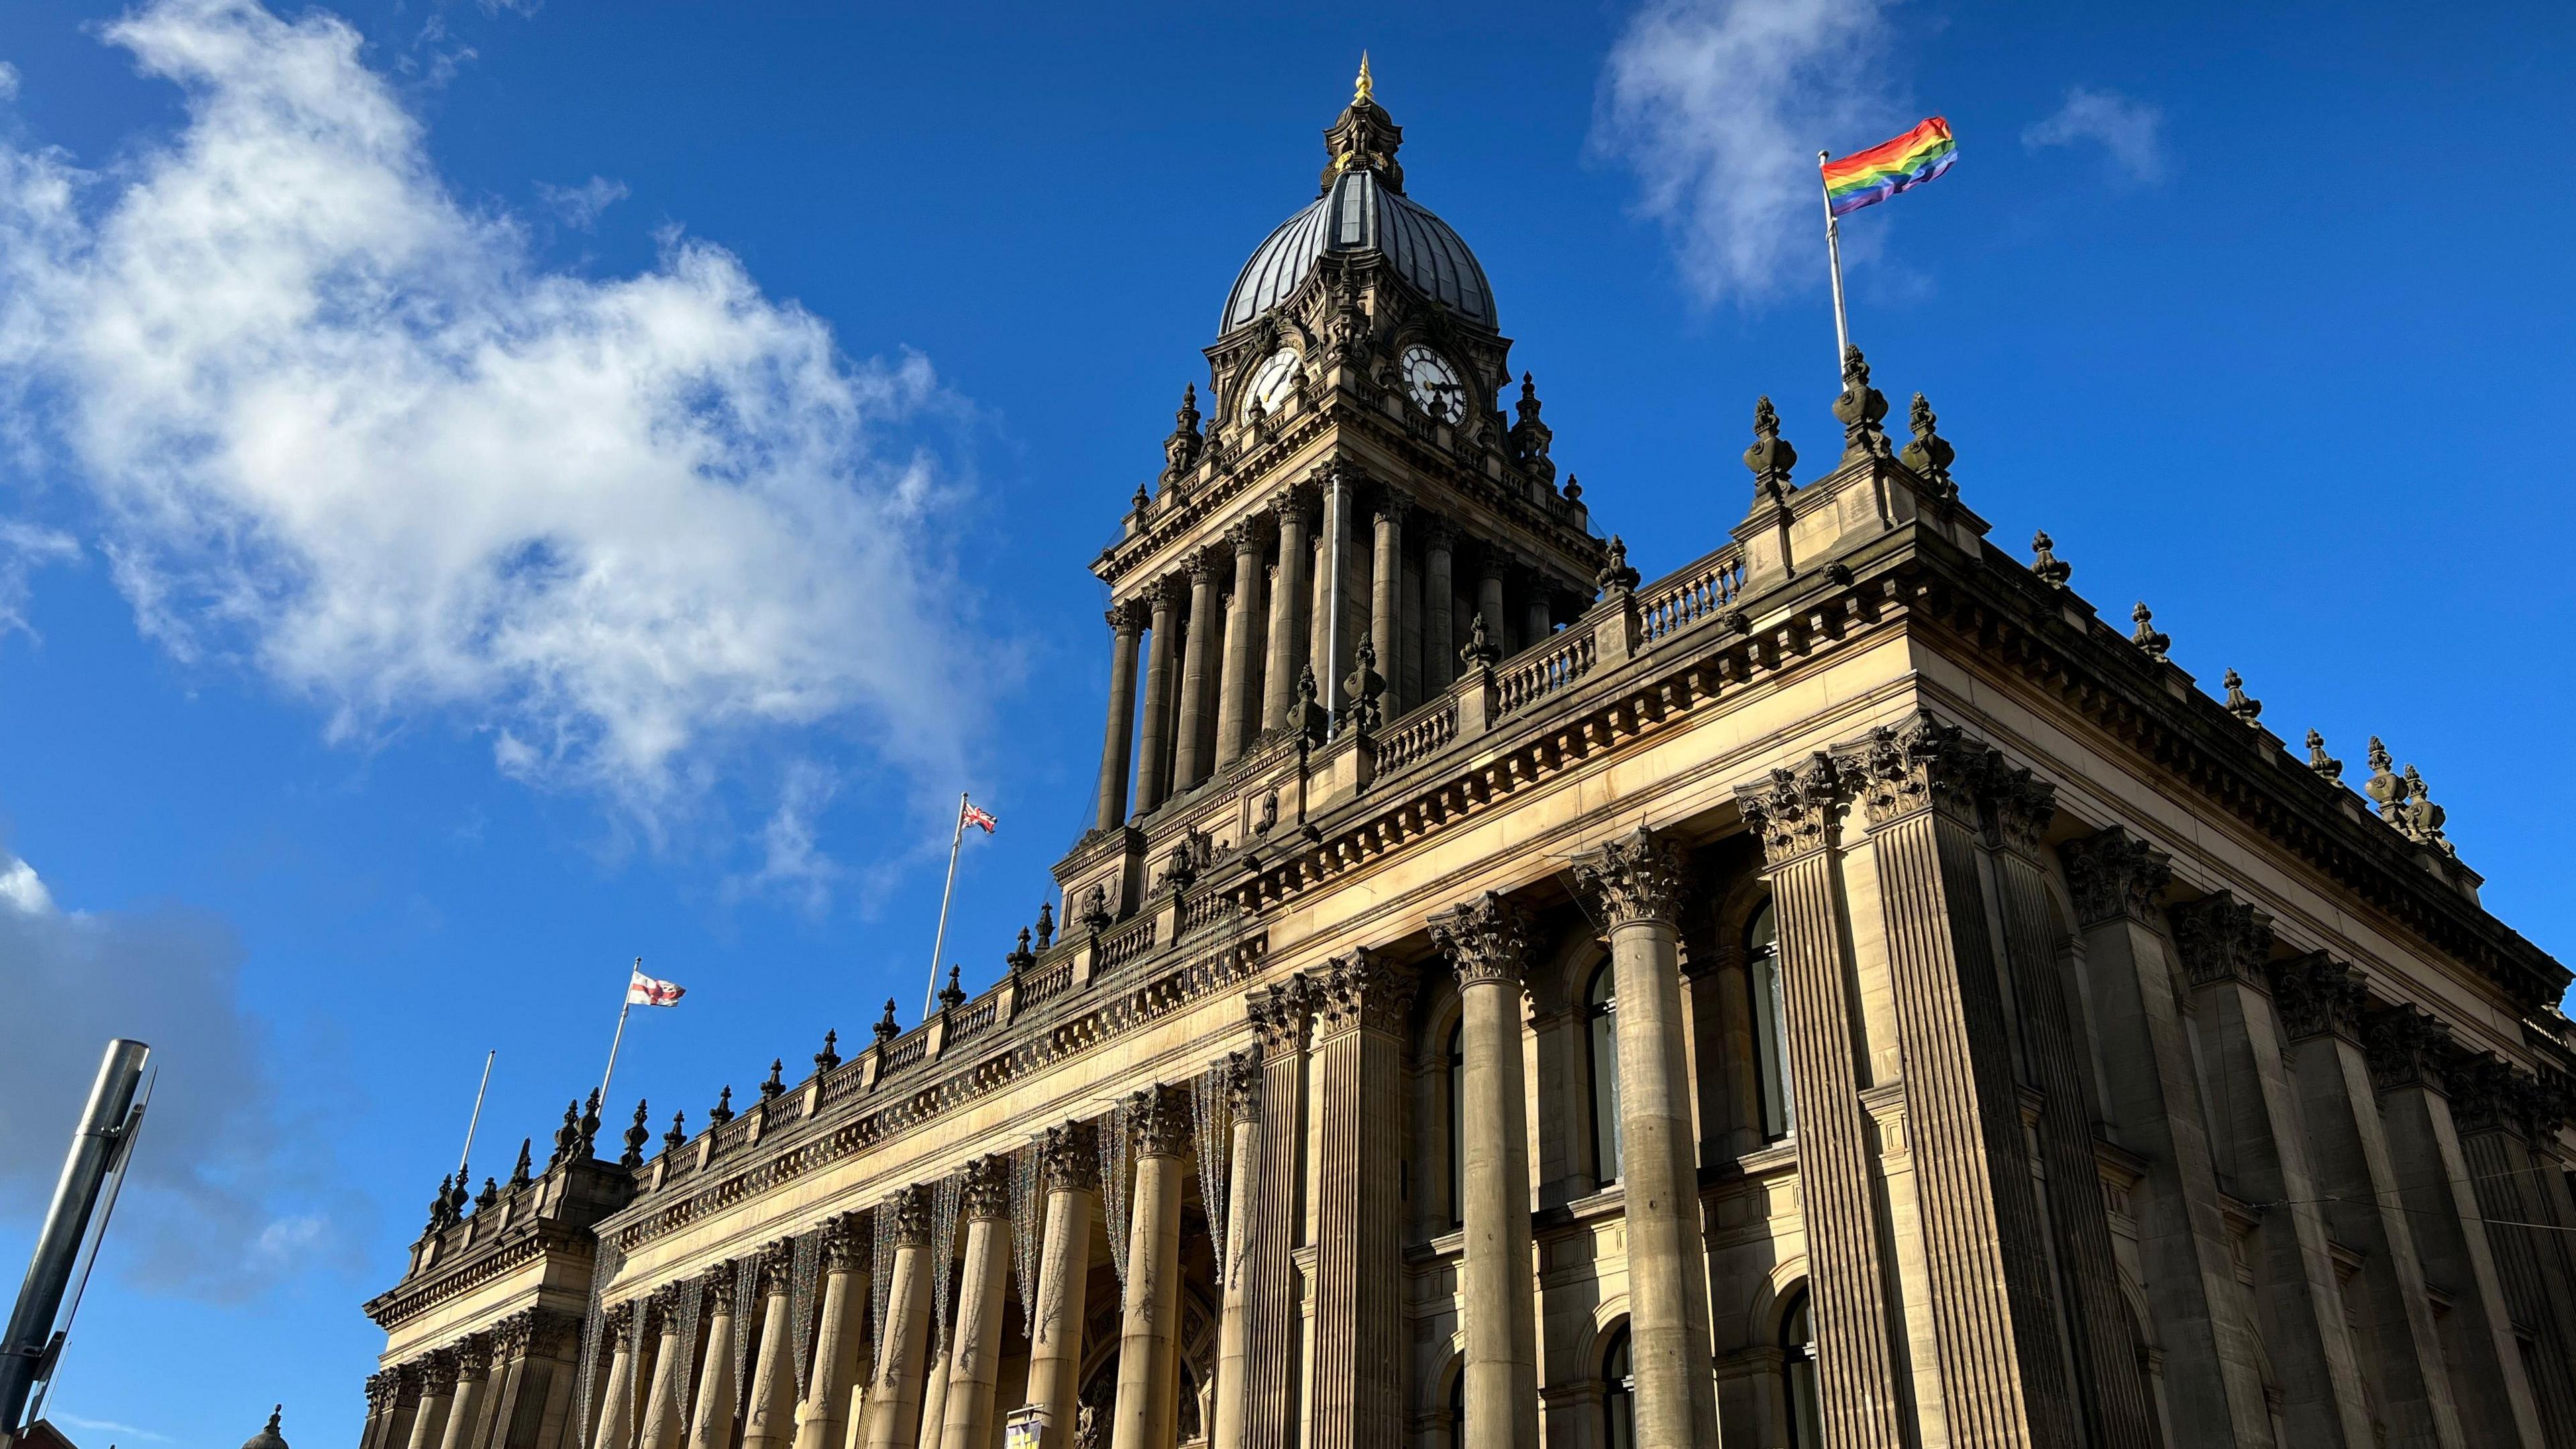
(1834, 254)
(939, 942)
(625, 1004)
(477, 1119)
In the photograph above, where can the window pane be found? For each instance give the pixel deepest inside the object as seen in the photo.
(1770, 1026)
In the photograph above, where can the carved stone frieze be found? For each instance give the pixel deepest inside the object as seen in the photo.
(1487, 939)
(1158, 1122)
(1069, 1157)
(1922, 764)
(988, 1189)
(1282, 1014)
(1793, 811)
(2113, 874)
(1638, 877)
(2220, 938)
(1362, 991)
(2406, 1048)
(2316, 994)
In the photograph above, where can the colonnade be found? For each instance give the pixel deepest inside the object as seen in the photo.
(1226, 635)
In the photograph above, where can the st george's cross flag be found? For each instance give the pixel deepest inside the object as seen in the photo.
(643, 990)
(975, 815)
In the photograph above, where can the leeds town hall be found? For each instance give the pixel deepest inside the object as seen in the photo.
(1845, 992)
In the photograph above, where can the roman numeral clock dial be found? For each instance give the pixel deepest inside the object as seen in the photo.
(1434, 384)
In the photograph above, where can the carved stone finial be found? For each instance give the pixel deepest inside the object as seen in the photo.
(1930, 454)
(1531, 438)
(830, 1056)
(490, 1194)
(520, 1172)
(1860, 409)
(2146, 635)
(2240, 704)
(1019, 957)
(1363, 687)
(567, 1137)
(438, 1209)
(776, 1082)
(2384, 787)
(1479, 652)
(2326, 766)
(722, 1112)
(1046, 925)
(590, 1121)
(2420, 818)
(1181, 450)
(1573, 489)
(1095, 910)
(1637, 877)
(2050, 569)
(1790, 811)
(952, 995)
(1486, 939)
(1770, 457)
(678, 1136)
(885, 1030)
(2113, 874)
(1365, 137)
(1615, 576)
(637, 1134)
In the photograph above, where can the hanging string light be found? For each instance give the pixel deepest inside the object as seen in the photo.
(804, 1270)
(603, 1269)
(880, 1272)
(746, 1301)
(1116, 1150)
(1027, 1205)
(693, 1301)
(944, 1201)
(1212, 1122)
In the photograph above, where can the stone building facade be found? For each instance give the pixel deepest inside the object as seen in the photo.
(1843, 992)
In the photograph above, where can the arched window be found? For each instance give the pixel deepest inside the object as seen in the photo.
(1458, 1406)
(1600, 1009)
(1798, 1362)
(1770, 1025)
(1457, 1089)
(1618, 1395)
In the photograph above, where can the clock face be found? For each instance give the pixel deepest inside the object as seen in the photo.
(1271, 384)
(1434, 384)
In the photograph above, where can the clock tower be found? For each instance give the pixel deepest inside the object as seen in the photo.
(1351, 520)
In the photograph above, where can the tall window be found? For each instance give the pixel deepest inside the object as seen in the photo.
(1618, 1395)
(1457, 1123)
(1600, 1009)
(1798, 1355)
(1458, 1407)
(1770, 1025)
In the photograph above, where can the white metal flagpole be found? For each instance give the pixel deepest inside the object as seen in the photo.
(1834, 254)
(477, 1119)
(625, 1004)
(939, 942)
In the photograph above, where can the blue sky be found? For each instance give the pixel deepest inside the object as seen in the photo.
(491, 491)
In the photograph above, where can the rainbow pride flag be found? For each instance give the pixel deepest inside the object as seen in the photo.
(1866, 178)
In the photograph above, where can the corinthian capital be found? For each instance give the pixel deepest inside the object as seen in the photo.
(617, 1318)
(1069, 1158)
(2316, 994)
(988, 1188)
(2405, 1047)
(2220, 938)
(2019, 805)
(2114, 874)
(1635, 878)
(1487, 939)
(1158, 1122)
(1362, 990)
(1243, 1085)
(1791, 811)
(1922, 764)
(906, 1214)
(1281, 1014)
(439, 1370)
(844, 1250)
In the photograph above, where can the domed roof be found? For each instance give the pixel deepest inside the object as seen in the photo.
(268, 1438)
(1363, 208)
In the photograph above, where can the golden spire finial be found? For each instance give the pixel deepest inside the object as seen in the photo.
(1367, 90)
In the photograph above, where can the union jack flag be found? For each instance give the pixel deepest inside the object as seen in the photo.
(975, 815)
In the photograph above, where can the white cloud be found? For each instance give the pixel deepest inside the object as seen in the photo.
(1720, 107)
(354, 434)
(580, 206)
(2132, 131)
(793, 863)
(8, 81)
(23, 891)
(24, 548)
(107, 1426)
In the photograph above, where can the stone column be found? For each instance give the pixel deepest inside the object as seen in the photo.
(2223, 944)
(2319, 1003)
(769, 1408)
(1243, 1194)
(1796, 814)
(2112, 1388)
(1154, 765)
(2213, 1383)
(473, 1372)
(1362, 1006)
(1116, 749)
(437, 1394)
(2492, 1104)
(1149, 1315)
(1439, 590)
(894, 1403)
(1538, 620)
(1635, 885)
(1191, 756)
(975, 1363)
(1289, 593)
(1488, 944)
(820, 1420)
(1489, 595)
(613, 1425)
(1237, 719)
(1273, 1332)
(1386, 605)
(1069, 1160)
(712, 1411)
(384, 1402)
(662, 1426)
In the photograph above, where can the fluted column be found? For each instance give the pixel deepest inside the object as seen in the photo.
(1386, 604)
(1635, 885)
(1361, 1007)
(384, 1404)
(712, 1412)
(1117, 748)
(614, 1427)
(1289, 592)
(1489, 594)
(1236, 718)
(2213, 1381)
(1149, 1317)
(1233, 1328)
(662, 1425)
(1281, 1015)
(2112, 1393)
(1154, 755)
(1069, 1161)
(1439, 590)
(821, 1421)
(1191, 755)
(975, 1361)
(473, 1373)
(894, 1401)
(1488, 943)
(437, 1394)
(769, 1405)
